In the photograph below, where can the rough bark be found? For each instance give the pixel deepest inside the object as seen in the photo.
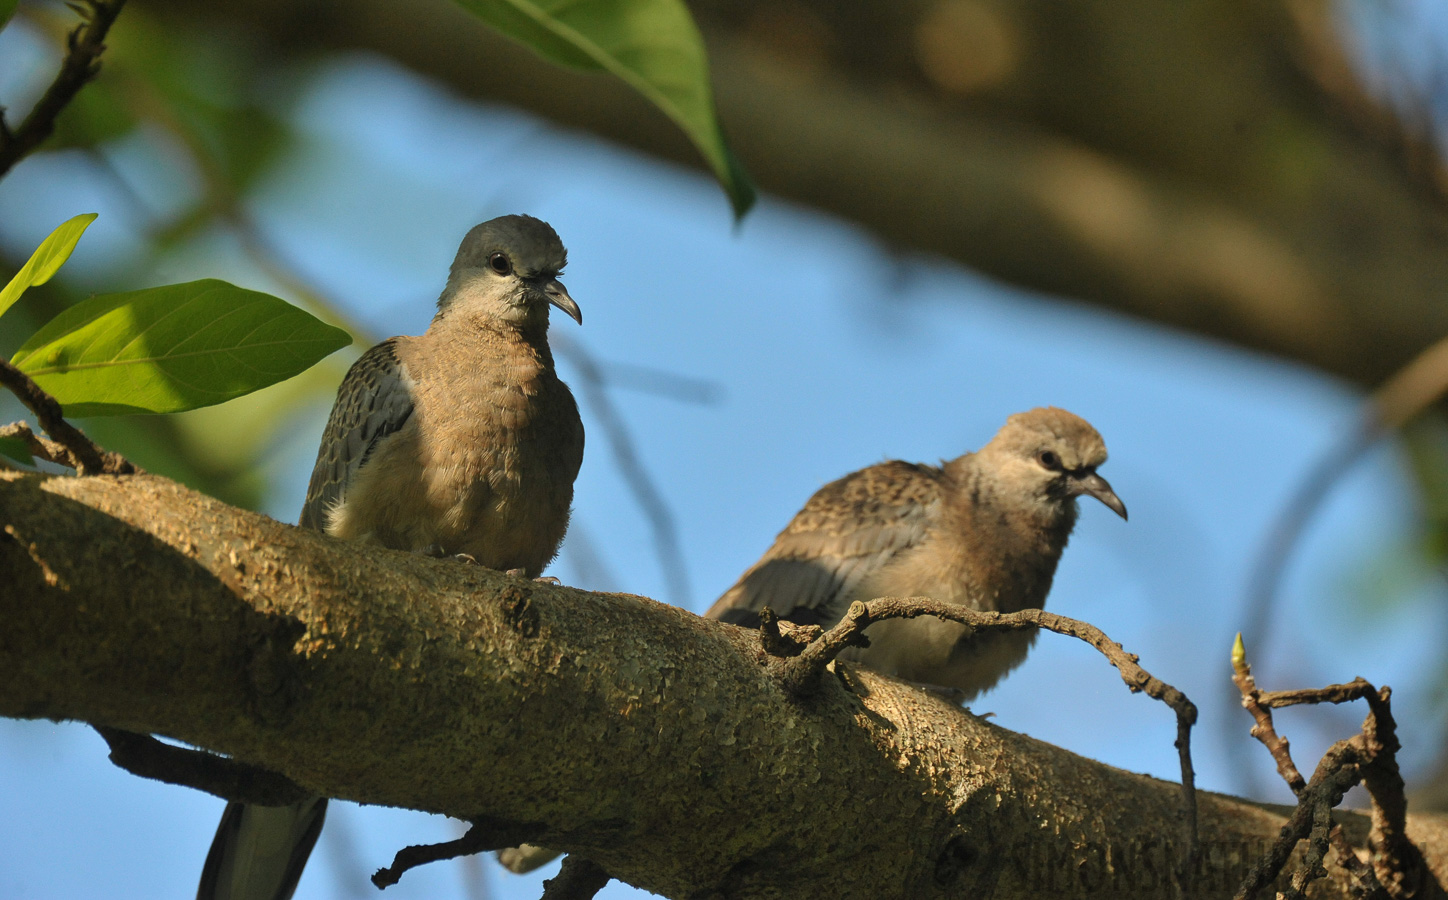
(640, 735)
(1216, 166)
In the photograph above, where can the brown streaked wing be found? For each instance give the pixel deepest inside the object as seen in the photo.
(373, 402)
(848, 529)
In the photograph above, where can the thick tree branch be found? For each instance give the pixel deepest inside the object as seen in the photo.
(801, 672)
(646, 739)
(1190, 166)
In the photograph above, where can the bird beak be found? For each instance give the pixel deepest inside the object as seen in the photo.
(558, 296)
(1098, 487)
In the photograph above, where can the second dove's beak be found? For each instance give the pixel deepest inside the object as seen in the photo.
(557, 295)
(1098, 487)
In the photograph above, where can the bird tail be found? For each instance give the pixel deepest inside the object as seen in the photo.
(259, 851)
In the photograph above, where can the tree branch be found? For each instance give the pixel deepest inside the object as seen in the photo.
(79, 451)
(386, 678)
(1264, 730)
(482, 836)
(1150, 179)
(84, 46)
(800, 673)
(578, 879)
(147, 757)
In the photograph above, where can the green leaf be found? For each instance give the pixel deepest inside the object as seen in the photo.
(47, 258)
(172, 348)
(16, 449)
(7, 9)
(653, 45)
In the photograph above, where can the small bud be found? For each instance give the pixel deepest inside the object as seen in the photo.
(1239, 656)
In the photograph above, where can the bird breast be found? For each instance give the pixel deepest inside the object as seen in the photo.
(501, 476)
(484, 466)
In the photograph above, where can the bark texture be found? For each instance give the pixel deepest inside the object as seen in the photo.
(650, 740)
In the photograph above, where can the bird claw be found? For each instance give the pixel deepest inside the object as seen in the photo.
(523, 573)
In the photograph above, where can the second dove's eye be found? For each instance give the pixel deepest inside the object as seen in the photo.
(1048, 460)
(499, 263)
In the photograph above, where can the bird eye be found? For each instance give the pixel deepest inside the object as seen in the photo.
(498, 262)
(1049, 460)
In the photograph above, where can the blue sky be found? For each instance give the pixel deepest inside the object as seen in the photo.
(828, 352)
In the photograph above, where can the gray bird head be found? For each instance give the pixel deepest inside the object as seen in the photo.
(1050, 456)
(507, 268)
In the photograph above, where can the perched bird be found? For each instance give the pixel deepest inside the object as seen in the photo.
(984, 530)
(461, 441)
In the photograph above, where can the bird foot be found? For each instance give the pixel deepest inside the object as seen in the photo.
(436, 551)
(523, 573)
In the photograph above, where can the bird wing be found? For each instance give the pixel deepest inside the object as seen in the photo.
(375, 400)
(848, 529)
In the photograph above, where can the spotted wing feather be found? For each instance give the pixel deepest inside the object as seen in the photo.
(848, 529)
(374, 401)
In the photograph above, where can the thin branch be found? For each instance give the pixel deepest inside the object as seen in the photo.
(1396, 859)
(228, 779)
(649, 497)
(84, 46)
(1336, 773)
(1398, 868)
(1357, 689)
(801, 673)
(86, 456)
(1265, 731)
(39, 447)
(662, 383)
(484, 835)
(579, 879)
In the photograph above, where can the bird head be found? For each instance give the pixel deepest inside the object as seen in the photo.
(507, 269)
(1050, 456)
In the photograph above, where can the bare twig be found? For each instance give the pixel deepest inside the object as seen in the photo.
(1370, 757)
(781, 637)
(1336, 773)
(1357, 689)
(484, 835)
(579, 879)
(801, 673)
(84, 46)
(40, 447)
(1265, 731)
(143, 755)
(1397, 861)
(84, 454)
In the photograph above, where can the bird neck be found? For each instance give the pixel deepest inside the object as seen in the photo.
(529, 335)
(1018, 521)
